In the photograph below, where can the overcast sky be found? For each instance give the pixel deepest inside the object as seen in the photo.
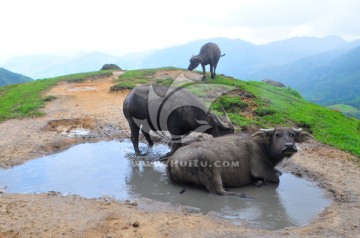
(118, 27)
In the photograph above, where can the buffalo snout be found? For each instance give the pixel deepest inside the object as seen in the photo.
(289, 148)
(193, 64)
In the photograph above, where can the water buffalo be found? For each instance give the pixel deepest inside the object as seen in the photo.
(234, 160)
(209, 54)
(176, 110)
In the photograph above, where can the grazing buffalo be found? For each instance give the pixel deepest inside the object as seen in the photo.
(176, 110)
(209, 54)
(234, 160)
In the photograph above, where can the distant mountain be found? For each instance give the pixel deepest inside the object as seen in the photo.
(242, 58)
(328, 78)
(7, 77)
(46, 66)
(346, 109)
(336, 82)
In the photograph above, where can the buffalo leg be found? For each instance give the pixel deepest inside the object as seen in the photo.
(148, 138)
(135, 136)
(175, 146)
(265, 174)
(215, 65)
(203, 68)
(213, 183)
(212, 72)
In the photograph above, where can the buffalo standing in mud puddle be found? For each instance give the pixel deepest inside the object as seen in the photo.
(234, 160)
(209, 54)
(176, 110)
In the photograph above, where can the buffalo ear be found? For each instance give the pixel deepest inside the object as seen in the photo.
(261, 137)
(212, 119)
(303, 136)
(195, 58)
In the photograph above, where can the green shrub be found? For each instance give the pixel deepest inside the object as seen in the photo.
(122, 86)
(230, 103)
(49, 98)
(264, 112)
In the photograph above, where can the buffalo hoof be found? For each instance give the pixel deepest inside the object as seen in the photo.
(139, 155)
(166, 156)
(259, 183)
(278, 172)
(243, 196)
(163, 158)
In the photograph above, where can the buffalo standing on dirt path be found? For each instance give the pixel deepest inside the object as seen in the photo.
(209, 54)
(234, 160)
(176, 110)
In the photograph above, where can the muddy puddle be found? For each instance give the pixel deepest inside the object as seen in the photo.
(109, 169)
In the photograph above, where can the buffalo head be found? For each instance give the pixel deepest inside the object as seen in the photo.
(280, 142)
(194, 62)
(220, 127)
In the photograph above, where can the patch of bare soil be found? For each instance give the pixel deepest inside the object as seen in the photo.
(89, 106)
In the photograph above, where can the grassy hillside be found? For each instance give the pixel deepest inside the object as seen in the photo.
(7, 77)
(326, 79)
(26, 100)
(250, 105)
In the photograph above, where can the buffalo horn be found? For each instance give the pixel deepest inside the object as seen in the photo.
(218, 121)
(299, 130)
(268, 131)
(231, 126)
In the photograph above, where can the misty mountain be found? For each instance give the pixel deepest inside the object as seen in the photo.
(242, 58)
(7, 77)
(328, 78)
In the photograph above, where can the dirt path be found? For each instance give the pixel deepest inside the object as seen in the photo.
(90, 108)
(87, 105)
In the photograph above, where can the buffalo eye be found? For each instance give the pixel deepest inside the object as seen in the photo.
(277, 134)
(292, 134)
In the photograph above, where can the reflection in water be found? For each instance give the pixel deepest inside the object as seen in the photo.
(107, 169)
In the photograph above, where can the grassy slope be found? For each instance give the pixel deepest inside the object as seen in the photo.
(326, 125)
(270, 106)
(26, 100)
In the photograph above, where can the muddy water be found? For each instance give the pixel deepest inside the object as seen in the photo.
(108, 169)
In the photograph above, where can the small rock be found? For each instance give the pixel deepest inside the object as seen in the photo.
(130, 203)
(136, 224)
(298, 174)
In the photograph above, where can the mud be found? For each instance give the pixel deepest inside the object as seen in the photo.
(54, 215)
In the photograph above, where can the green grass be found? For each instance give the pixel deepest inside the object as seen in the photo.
(122, 86)
(229, 103)
(326, 125)
(26, 99)
(142, 77)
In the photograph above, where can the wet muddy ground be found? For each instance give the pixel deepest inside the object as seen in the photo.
(95, 114)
